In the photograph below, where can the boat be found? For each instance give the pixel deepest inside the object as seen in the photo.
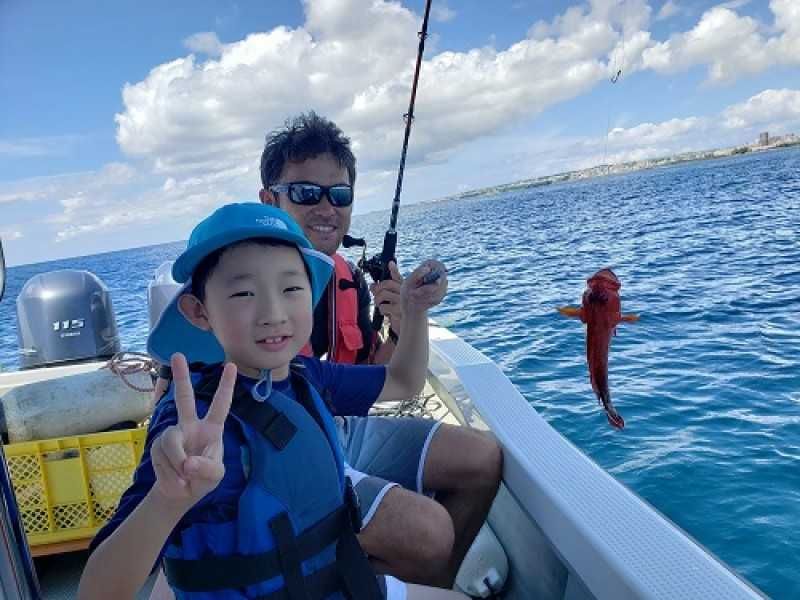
(567, 529)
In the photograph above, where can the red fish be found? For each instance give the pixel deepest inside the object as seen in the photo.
(600, 310)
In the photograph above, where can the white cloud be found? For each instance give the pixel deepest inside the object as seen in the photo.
(442, 13)
(55, 188)
(192, 117)
(10, 234)
(667, 10)
(38, 146)
(731, 45)
(205, 42)
(193, 129)
(656, 133)
(778, 109)
(734, 4)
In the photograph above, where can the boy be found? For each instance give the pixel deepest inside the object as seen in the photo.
(241, 489)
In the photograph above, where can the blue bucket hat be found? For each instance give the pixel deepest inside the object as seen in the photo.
(227, 225)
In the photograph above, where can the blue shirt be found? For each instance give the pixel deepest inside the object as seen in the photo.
(348, 389)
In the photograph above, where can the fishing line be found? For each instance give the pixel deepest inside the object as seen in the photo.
(617, 68)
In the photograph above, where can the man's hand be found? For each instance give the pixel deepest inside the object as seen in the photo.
(187, 457)
(424, 288)
(386, 295)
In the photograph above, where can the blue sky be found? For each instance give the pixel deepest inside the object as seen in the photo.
(123, 123)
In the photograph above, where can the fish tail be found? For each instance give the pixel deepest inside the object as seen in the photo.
(614, 418)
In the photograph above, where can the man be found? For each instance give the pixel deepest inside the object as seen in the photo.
(309, 170)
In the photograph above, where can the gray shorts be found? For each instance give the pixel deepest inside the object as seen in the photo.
(382, 452)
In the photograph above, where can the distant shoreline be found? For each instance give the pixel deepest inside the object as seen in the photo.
(626, 167)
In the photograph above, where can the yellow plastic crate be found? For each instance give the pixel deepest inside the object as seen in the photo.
(67, 488)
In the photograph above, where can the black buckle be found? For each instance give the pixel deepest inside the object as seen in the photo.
(353, 505)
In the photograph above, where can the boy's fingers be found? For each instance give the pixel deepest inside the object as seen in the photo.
(163, 467)
(171, 446)
(221, 404)
(184, 394)
(202, 468)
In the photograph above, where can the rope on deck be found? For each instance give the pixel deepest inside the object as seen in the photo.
(422, 406)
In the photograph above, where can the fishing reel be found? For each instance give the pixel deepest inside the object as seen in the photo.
(377, 266)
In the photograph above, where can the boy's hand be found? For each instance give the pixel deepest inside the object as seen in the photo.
(187, 457)
(386, 295)
(425, 287)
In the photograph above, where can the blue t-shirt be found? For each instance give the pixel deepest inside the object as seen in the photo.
(348, 389)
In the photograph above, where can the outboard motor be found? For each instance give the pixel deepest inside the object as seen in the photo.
(160, 292)
(65, 316)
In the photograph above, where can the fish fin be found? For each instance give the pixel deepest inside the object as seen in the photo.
(629, 318)
(570, 311)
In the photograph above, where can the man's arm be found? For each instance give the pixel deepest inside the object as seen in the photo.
(407, 368)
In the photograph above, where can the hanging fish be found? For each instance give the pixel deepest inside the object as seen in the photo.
(600, 310)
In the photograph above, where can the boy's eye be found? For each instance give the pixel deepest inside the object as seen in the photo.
(242, 294)
(293, 288)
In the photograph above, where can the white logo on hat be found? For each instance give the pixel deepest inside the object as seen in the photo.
(271, 222)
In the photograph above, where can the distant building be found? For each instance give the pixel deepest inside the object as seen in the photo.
(763, 139)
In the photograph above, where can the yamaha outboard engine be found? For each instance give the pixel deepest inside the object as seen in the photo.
(65, 316)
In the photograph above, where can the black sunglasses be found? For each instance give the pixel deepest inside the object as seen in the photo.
(309, 194)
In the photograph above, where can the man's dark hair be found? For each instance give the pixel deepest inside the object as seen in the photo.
(302, 138)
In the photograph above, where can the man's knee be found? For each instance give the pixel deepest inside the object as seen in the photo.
(463, 458)
(434, 529)
(488, 461)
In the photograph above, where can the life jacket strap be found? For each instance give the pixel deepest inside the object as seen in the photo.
(226, 572)
(360, 582)
(320, 584)
(275, 426)
(289, 557)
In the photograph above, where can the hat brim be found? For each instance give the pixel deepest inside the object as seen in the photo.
(174, 333)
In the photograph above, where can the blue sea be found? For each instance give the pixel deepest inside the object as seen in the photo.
(708, 380)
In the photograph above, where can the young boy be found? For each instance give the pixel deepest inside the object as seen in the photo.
(241, 488)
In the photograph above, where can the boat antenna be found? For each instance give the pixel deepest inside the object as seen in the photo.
(378, 265)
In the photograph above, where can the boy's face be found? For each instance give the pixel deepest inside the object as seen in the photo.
(324, 225)
(258, 305)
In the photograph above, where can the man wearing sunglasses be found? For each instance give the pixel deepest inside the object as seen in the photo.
(308, 169)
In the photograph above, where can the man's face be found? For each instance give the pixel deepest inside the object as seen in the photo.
(324, 225)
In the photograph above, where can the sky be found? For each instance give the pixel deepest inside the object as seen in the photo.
(123, 123)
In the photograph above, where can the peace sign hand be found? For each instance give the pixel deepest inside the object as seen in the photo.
(187, 457)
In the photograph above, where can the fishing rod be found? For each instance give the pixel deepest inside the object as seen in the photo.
(378, 265)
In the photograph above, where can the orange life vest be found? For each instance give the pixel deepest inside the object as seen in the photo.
(344, 335)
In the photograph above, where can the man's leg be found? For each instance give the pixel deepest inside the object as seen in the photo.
(464, 468)
(409, 536)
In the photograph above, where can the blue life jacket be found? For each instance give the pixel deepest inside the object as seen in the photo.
(293, 537)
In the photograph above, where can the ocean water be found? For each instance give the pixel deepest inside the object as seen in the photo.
(708, 380)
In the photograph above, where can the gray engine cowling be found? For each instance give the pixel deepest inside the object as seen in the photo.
(65, 316)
